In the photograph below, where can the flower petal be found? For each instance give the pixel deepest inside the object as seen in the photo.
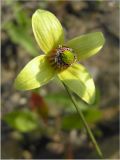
(79, 81)
(35, 74)
(47, 30)
(87, 45)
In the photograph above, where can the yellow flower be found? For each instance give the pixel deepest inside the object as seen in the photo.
(61, 58)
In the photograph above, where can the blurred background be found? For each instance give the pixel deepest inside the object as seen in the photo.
(43, 123)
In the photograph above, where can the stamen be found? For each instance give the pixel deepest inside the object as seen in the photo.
(61, 57)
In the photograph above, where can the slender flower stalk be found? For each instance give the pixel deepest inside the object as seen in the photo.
(98, 150)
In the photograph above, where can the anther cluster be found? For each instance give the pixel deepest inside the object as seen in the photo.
(56, 58)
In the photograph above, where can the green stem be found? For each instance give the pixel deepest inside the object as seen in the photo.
(84, 122)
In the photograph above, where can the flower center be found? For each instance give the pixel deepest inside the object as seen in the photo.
(62, 57)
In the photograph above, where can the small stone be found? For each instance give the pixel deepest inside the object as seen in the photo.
(78, 5)
(56, 147)
(26, 154)
(15, 97)
(23, 101)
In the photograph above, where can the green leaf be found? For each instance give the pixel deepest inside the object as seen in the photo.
(72, 121)
(58, 98)
(21, 15)
(64, 101)
(47, 30)
(87, 45)
(23, 121)
(79, 81)
(35, 74)
(19, 32)
(21, 36)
